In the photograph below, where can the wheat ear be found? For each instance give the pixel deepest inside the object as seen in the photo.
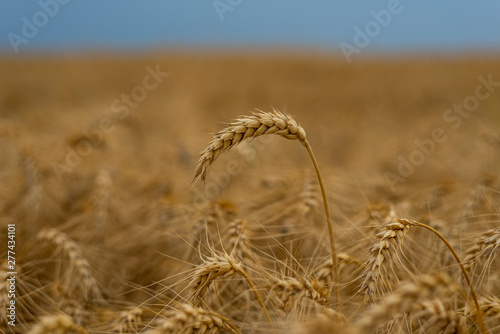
(237, 239)
(88, 283)
(220, 267)
(189, 319)
(403, 300)
(56, 324)
(266, 123)
(434, 316)
(488, 245)
(324, 272)
(127, 321)
(284, 289)
(490, 307)
(309, 196)
(388, 239)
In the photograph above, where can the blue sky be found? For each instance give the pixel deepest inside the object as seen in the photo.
(96, 25)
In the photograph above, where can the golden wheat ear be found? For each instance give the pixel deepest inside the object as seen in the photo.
(245, 127)
(259, 124)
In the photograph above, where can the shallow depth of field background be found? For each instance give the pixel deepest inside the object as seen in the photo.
(124, 195)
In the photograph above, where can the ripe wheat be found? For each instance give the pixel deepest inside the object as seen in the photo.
(258, 124)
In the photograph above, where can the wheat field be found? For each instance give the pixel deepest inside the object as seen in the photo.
(178, 193)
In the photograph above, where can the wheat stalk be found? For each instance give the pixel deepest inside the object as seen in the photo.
(480, 319)
(265, 123)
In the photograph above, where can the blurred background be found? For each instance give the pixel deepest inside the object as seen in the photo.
(363, 78)
(413, 26)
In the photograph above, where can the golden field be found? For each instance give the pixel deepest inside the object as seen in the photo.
(112, 236)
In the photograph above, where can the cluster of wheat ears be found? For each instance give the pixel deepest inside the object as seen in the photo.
(266, 267)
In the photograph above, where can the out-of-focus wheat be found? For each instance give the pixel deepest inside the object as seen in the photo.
(193, 320)
(84, 278)
(403, 300)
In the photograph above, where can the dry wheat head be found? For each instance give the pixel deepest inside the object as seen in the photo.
(258, 124)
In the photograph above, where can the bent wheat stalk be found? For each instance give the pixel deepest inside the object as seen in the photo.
(480, 320)
(265, 123)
